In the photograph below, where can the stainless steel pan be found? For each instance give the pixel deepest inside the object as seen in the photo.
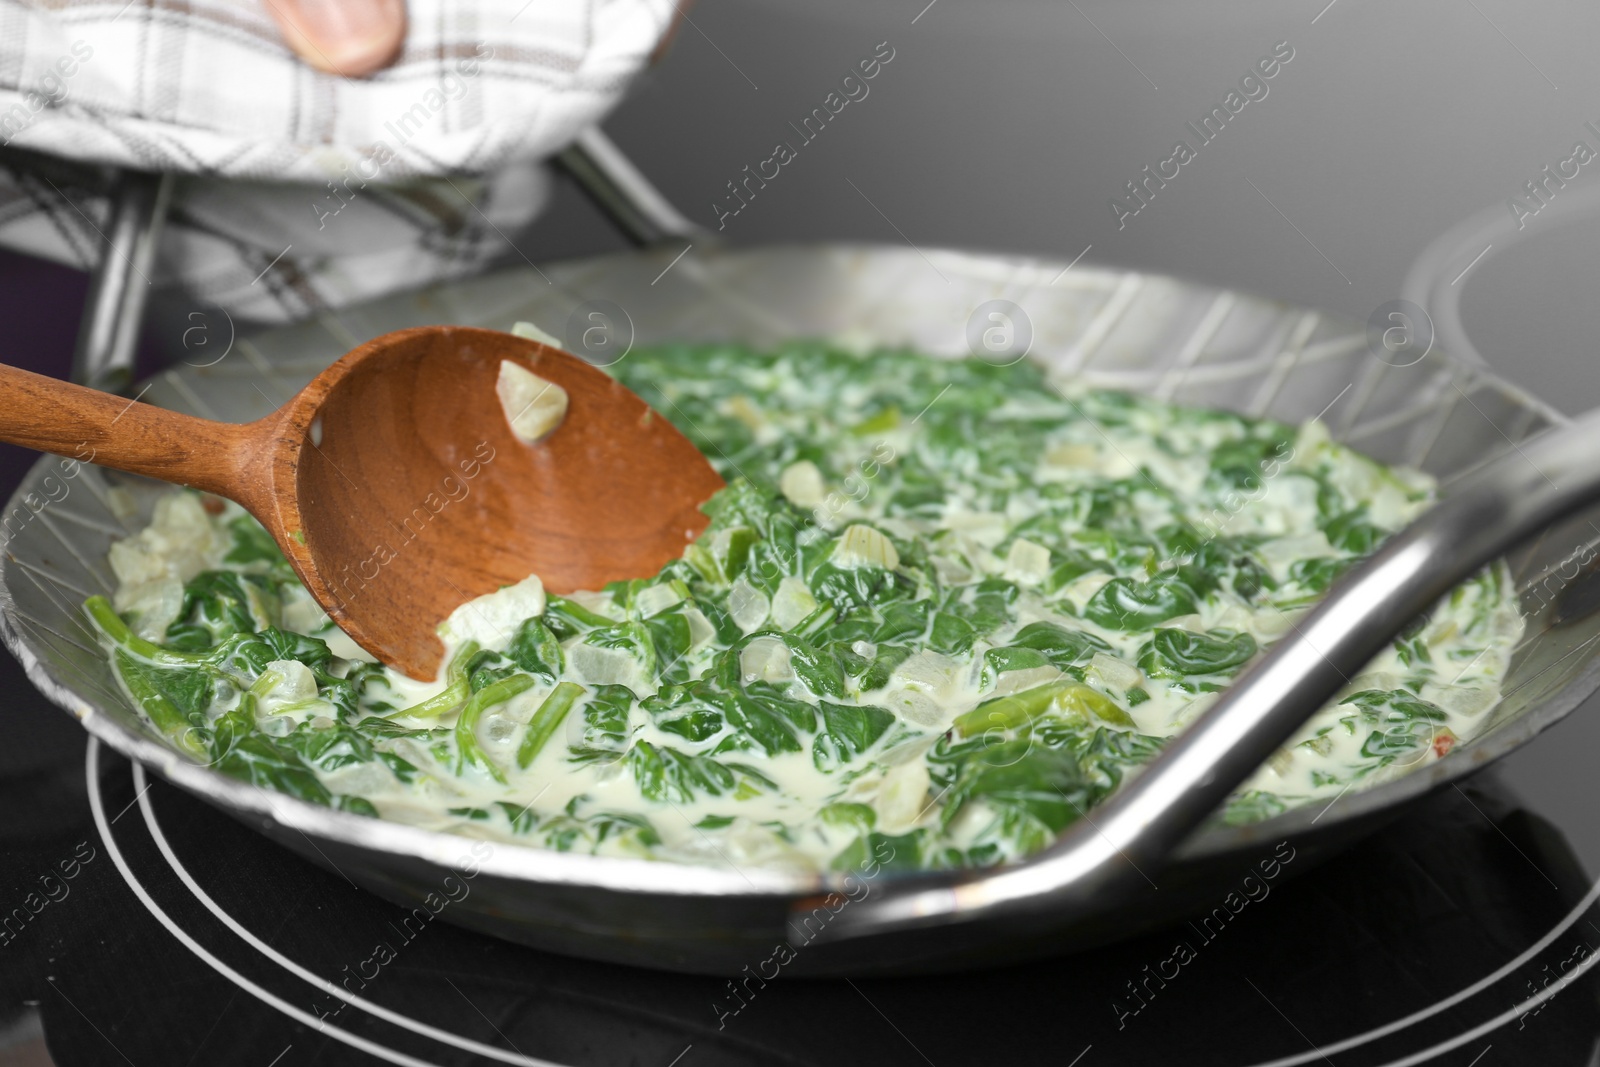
(1142, 332)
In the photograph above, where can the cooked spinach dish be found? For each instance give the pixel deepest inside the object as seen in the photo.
(940, 603)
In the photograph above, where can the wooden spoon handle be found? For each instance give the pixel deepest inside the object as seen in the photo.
(84, 424)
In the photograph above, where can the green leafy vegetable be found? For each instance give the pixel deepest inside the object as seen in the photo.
(1123, 604)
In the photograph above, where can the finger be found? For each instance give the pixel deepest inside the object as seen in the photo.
(347, 37)
(680, 12)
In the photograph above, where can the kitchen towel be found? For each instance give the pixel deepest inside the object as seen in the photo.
(300, 190)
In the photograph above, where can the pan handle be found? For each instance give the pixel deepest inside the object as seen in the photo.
(1523, 491)
(120, 283)
(623, 193)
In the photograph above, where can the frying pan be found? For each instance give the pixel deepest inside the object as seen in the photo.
(1120, 871)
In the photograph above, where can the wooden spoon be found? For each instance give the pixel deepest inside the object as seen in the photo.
(395, 486)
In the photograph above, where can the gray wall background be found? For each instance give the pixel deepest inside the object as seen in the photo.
(1008, 125)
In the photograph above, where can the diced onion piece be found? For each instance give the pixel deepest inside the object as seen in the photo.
(1283, 551)
(609, 666)
(1080, 590)
(1027, 563)
(296, 683)
(492, 619)
(277, 725)
(700, 629)
(1321, 745)
(180, 542)
(747, 605)
(929, 671)
(862, 546)
(1029, 678)
(1272, 623)
(600, 603)
(533, 406)
(951, 571)
(741, 408)
(1069, 454)
(1465, 700)
(155, 605)
(1443, 632)
(766, 659)
(986, 528)
(656, 598)
(903, 796)
(360, 779)
(801, 482)
(1194, 709)
(792, 603)
(343, 645)
(1311, 442)
(915, 706)
(300, 612)
(529, 331)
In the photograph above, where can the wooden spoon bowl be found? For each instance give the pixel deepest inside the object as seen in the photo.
(395, 486)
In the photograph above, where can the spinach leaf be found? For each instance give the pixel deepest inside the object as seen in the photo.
(567, 832)
(882, 852)
(861, 817)
(1250, 577)
(1062, 647)
(330, 748)
(259, 760)
(1242, 462)
(1035, 792)
(677, 709)
(1122, 604)
(817, 667)
(187, 691)
(605, 723)
(849, 589)
(536, 651)
(1351, 532)
(1254, 806)
(888, 657)
(1315, 575)
(1174, 653)
(1075, 566)
(567, 618)
(215, 605)
(1402, 724)
(997, 661)
(665, 774)
(1106, 755)
(758, 718)
(631, 637)
(252, 543)
(905, 618)
(847, 731)
(286, 644)
(670, 637)
(952, 634)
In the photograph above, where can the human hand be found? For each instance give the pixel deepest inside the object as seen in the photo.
(351, 38)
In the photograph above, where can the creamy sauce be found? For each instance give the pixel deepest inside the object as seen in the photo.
(940, 602)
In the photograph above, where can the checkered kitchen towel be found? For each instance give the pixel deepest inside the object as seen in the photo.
(326, 189)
